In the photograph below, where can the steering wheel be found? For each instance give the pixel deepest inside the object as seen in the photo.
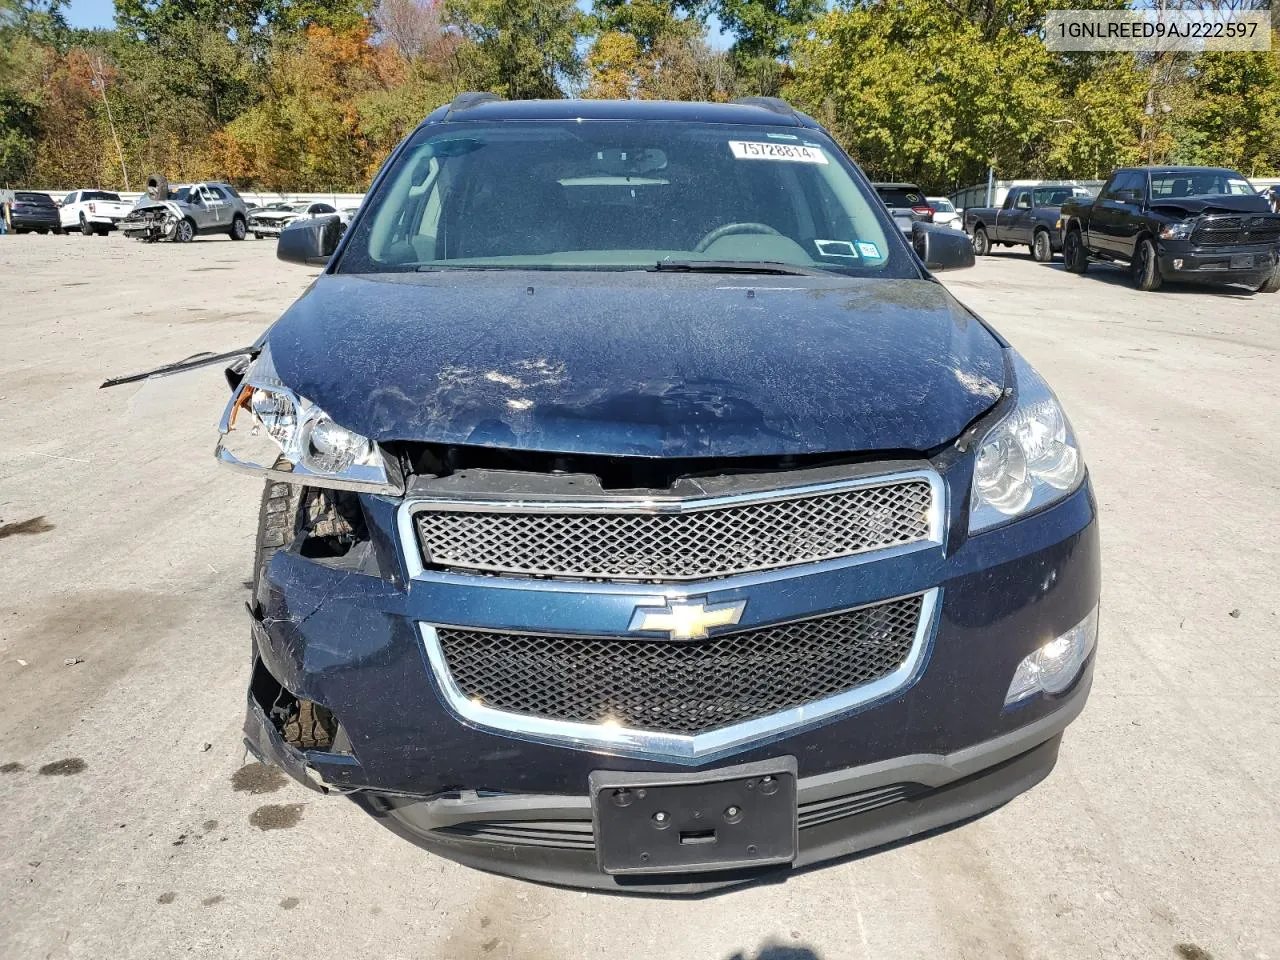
(732, 230)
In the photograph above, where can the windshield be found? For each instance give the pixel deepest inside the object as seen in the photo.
(1200, 183)
(620, 195)
(35, 198)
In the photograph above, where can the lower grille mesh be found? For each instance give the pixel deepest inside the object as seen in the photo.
(683, 687)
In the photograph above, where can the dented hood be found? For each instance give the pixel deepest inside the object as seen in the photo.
(645, 364)
(1213, 203)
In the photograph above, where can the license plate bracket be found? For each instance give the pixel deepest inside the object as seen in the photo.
(726, 819)
(1242, 261)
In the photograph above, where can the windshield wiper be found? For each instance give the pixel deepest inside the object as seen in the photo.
(772, 267)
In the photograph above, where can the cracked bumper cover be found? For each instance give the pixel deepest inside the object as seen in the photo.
(350, 641)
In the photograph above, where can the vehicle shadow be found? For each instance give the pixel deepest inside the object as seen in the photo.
(777, 951)
(1118, 275)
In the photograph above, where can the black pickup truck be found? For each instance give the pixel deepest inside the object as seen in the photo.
(1029, 216)
(1201, 224)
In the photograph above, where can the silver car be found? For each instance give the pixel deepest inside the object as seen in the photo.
(184, 213)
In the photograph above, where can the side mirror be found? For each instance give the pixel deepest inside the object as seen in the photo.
(940, 247)
(310, 242)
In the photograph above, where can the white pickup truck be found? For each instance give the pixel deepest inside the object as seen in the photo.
(92, 211)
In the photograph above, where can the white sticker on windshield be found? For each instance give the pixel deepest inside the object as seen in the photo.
(868, 249)
(793, 152)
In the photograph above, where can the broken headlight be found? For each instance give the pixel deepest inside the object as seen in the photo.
(1177, 231)
(1026, 461)
(270, 429)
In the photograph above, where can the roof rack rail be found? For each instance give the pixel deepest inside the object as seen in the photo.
(472, 98)
(776, 104)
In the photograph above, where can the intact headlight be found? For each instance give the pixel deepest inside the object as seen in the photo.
(1177, 231)
(1027, 460)
(268, 428)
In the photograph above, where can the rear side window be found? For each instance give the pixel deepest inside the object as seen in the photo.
(902, 196)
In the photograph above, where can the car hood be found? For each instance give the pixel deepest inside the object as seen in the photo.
(274, 214)
(645, 364)
(1211, 204)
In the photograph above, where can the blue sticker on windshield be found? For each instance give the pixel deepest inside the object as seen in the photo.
(868, 249)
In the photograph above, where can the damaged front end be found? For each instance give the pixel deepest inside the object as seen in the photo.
(153, 222)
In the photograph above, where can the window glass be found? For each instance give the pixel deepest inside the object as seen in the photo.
(1200, 183)
(616, 195)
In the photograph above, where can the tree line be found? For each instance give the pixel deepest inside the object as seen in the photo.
(311, 95)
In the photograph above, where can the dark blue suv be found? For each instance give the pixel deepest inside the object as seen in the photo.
(642, 514)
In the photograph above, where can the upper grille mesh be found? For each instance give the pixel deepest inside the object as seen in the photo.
(684, 687)
(713, 542)
(1247, 229)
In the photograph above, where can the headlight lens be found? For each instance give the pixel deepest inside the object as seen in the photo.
(1027, 460)
(1055, 666)
(1176, 231)
(266, 420)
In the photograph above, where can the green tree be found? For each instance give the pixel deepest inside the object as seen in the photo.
(1232, 118)
(519, 48)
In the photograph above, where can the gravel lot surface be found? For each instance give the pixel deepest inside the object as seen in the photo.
(127, 833)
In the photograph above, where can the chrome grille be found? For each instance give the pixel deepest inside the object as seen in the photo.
(678, 541)
(681, 687)
(1215, 230)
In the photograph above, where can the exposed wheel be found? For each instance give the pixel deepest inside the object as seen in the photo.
(85, 228)
(1272, 283)
(1074, 255)
(237, 230)
(311, 728)
(1146, 271)
(278, 524)
(1042, 247)
(981, 242)
(184, 231)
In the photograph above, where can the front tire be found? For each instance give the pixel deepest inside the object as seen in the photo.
(1042, 247)
(278, 524)
(1146, 270)
(1074, 256)
(184, 231)
(1272, 283)
(981, 242)
(238, 229)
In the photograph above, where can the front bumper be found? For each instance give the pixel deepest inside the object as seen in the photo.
(265, 229)
(943, 748)
(1244, 263)
(549, 839)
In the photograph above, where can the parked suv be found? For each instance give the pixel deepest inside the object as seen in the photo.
(907, 204)
(186, 212)
(640, 511)
(34, 212)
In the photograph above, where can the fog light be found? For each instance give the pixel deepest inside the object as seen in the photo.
(1177, 264)
(1055, 666)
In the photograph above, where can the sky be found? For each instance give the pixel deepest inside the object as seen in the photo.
(90, 13)
(101, 13)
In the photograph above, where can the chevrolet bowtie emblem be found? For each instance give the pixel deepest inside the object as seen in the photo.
(687, 619)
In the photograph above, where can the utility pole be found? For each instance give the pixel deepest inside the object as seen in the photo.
(101, 84)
